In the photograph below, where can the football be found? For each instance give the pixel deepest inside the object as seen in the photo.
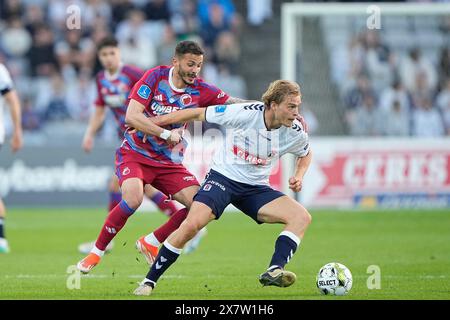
(334, 279)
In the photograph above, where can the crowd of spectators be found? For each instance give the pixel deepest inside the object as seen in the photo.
(49, 46)
(389, 92)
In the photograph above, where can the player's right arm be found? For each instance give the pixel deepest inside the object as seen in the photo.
(135, 118)
(95, 122)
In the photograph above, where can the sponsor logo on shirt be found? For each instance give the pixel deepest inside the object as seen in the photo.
(207, 187)
(144, 91)
(244, 155)
(115, 100)
(160, 109)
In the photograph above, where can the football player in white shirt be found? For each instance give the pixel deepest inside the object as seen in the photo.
(9, 96)
(261, 133)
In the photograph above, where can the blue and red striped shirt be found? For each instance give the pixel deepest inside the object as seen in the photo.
(157, 93)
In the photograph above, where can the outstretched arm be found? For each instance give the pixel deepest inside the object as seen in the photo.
(181, 116)
(232, 100)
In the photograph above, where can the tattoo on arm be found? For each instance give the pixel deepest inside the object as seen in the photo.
(232, 100)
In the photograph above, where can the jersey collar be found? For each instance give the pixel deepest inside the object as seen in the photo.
(115, 75)
(171, 83)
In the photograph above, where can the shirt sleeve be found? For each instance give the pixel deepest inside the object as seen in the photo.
(99, 100)
(211, 95)
(230, 116)
(143, 89)
(300, 145)
(6, 83)
(135, 74)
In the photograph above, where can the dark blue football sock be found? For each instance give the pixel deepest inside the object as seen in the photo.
(166, 257)
(285, 247)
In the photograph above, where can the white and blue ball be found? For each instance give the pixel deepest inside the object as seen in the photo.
(334, 279)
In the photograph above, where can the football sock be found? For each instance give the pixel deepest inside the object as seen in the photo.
(2, 231)
(285, 247)
(152, 240)
(114, 199)
(166, 257)
(114, 222)
(165, 205)
(163, 232)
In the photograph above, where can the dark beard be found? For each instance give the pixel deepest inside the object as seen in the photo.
(182, 78)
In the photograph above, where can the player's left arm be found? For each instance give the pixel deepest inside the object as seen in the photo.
(296, 182)
(232, 100)
(181, 116)
(12, 99)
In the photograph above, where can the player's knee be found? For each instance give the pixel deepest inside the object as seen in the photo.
(133, 200)
(301, 218)
(306, 218)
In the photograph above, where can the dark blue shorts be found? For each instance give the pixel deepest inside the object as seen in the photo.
(217, 192)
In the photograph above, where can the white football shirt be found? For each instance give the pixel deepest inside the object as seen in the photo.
(249, 150)
(6, 85)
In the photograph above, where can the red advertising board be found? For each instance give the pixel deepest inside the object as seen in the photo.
(378, 173)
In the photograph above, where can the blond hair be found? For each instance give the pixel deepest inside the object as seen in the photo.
(278, 90)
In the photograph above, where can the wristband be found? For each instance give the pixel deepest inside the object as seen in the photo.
(165, 134)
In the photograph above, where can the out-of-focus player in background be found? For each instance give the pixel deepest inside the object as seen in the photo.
(9, 96)
(114, 83)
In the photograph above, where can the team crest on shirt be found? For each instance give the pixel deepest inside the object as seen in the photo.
(207, 187)
(126, 171)
(186, 99)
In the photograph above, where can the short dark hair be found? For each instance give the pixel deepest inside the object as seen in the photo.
(108, 41)
(188, 47)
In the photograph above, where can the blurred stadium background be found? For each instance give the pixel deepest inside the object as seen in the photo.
(377, 101)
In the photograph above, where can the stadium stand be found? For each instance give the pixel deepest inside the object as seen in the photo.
(401, 70)
(53, 66)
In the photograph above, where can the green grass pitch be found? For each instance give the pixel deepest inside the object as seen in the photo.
(411, 248)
